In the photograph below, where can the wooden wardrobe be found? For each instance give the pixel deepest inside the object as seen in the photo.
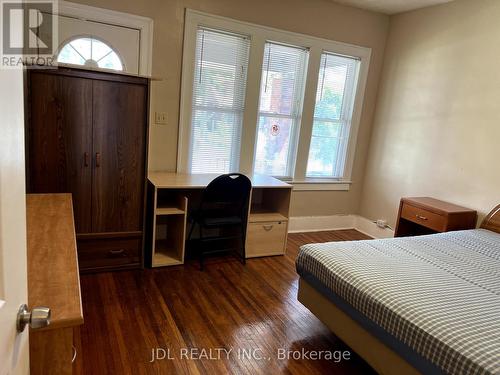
(87, 135)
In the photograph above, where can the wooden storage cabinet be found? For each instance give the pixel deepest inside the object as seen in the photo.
(267, 238)
(170, 231)
(86, 135)
(424, 215)
(268, 222)
(167, 227)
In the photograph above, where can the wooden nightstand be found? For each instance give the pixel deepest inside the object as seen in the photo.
(424, 215)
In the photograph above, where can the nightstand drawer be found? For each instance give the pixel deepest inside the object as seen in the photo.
(426, 215)
(423, 217)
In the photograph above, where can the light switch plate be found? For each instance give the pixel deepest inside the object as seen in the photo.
(161, 118)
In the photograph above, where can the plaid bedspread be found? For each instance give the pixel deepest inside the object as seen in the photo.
(438, 294)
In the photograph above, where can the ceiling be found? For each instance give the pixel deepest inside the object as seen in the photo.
(391, 6)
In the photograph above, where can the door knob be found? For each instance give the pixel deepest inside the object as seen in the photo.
(38, 317)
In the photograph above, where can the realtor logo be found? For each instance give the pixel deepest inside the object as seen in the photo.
(29, 33)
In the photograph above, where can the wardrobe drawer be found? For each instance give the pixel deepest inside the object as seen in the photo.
(423, 217)
(109, 253)
(267, 238)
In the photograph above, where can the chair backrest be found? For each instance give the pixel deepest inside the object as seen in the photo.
(226, 195)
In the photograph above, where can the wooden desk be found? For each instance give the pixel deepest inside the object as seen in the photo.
(53, 280)
(425, 215)
(171, 194)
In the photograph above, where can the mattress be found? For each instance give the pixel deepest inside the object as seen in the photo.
(438, 294)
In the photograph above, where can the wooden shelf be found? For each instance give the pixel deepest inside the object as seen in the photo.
(265, 216)
(259, 214)
(53, 278)
(170, 229)
(166, 258)
(169, 211)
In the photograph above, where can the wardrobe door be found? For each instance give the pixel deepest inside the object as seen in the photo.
(119, 142)
(60, 140)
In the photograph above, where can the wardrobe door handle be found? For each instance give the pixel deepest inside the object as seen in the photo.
(97, 159)
(86, 159)
(117, 252)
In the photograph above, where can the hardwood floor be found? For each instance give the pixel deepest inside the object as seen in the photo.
(228, 306)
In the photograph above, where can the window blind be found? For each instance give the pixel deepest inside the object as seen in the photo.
(332, 116)
(218, 101)
(280, 108)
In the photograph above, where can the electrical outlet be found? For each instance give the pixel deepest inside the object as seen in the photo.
(161, 118)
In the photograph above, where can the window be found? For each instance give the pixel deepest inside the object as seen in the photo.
(259, 100)
(218, 101)
(332, 116)
(280, 108)
(90, 52)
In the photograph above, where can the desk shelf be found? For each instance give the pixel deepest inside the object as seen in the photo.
(259, 215)
(165, 255)
(169, 211)
(169, 232)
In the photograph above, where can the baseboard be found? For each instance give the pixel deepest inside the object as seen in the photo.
(368, 227)
(320, 223)
(336, 222)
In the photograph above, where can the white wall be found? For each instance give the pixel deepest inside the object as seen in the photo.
(437, 122)
(321, 18)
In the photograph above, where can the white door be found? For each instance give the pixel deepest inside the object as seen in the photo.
(14, 353)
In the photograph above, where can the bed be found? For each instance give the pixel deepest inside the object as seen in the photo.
(427, 304)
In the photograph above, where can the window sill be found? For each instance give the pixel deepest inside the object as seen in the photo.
(320, 185)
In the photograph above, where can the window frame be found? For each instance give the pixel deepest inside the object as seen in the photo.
(258, 36)
(350, 101)
(236, 142)
(296, 116)
(83, 66)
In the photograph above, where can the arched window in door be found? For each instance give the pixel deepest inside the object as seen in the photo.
(89, 52)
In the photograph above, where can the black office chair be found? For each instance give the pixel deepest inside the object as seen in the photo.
(224, 206)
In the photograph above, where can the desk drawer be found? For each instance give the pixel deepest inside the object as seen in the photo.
(423, 217)
(267, 238)
(109, 253)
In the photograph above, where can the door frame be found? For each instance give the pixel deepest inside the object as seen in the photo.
(115, 18)
(14, 346)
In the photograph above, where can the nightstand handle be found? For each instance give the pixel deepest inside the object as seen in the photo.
(421, 217)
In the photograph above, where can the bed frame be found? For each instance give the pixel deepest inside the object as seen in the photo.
(383, 359)
(492, 221)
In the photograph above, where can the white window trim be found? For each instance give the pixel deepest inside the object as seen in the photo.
(112, 17)
(316, 185)
(295, 116)
(259, 35)
(76, 37)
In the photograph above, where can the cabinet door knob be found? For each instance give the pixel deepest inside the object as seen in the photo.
(97, 159)
(267, 228)
(421, 217)
(86, 159)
